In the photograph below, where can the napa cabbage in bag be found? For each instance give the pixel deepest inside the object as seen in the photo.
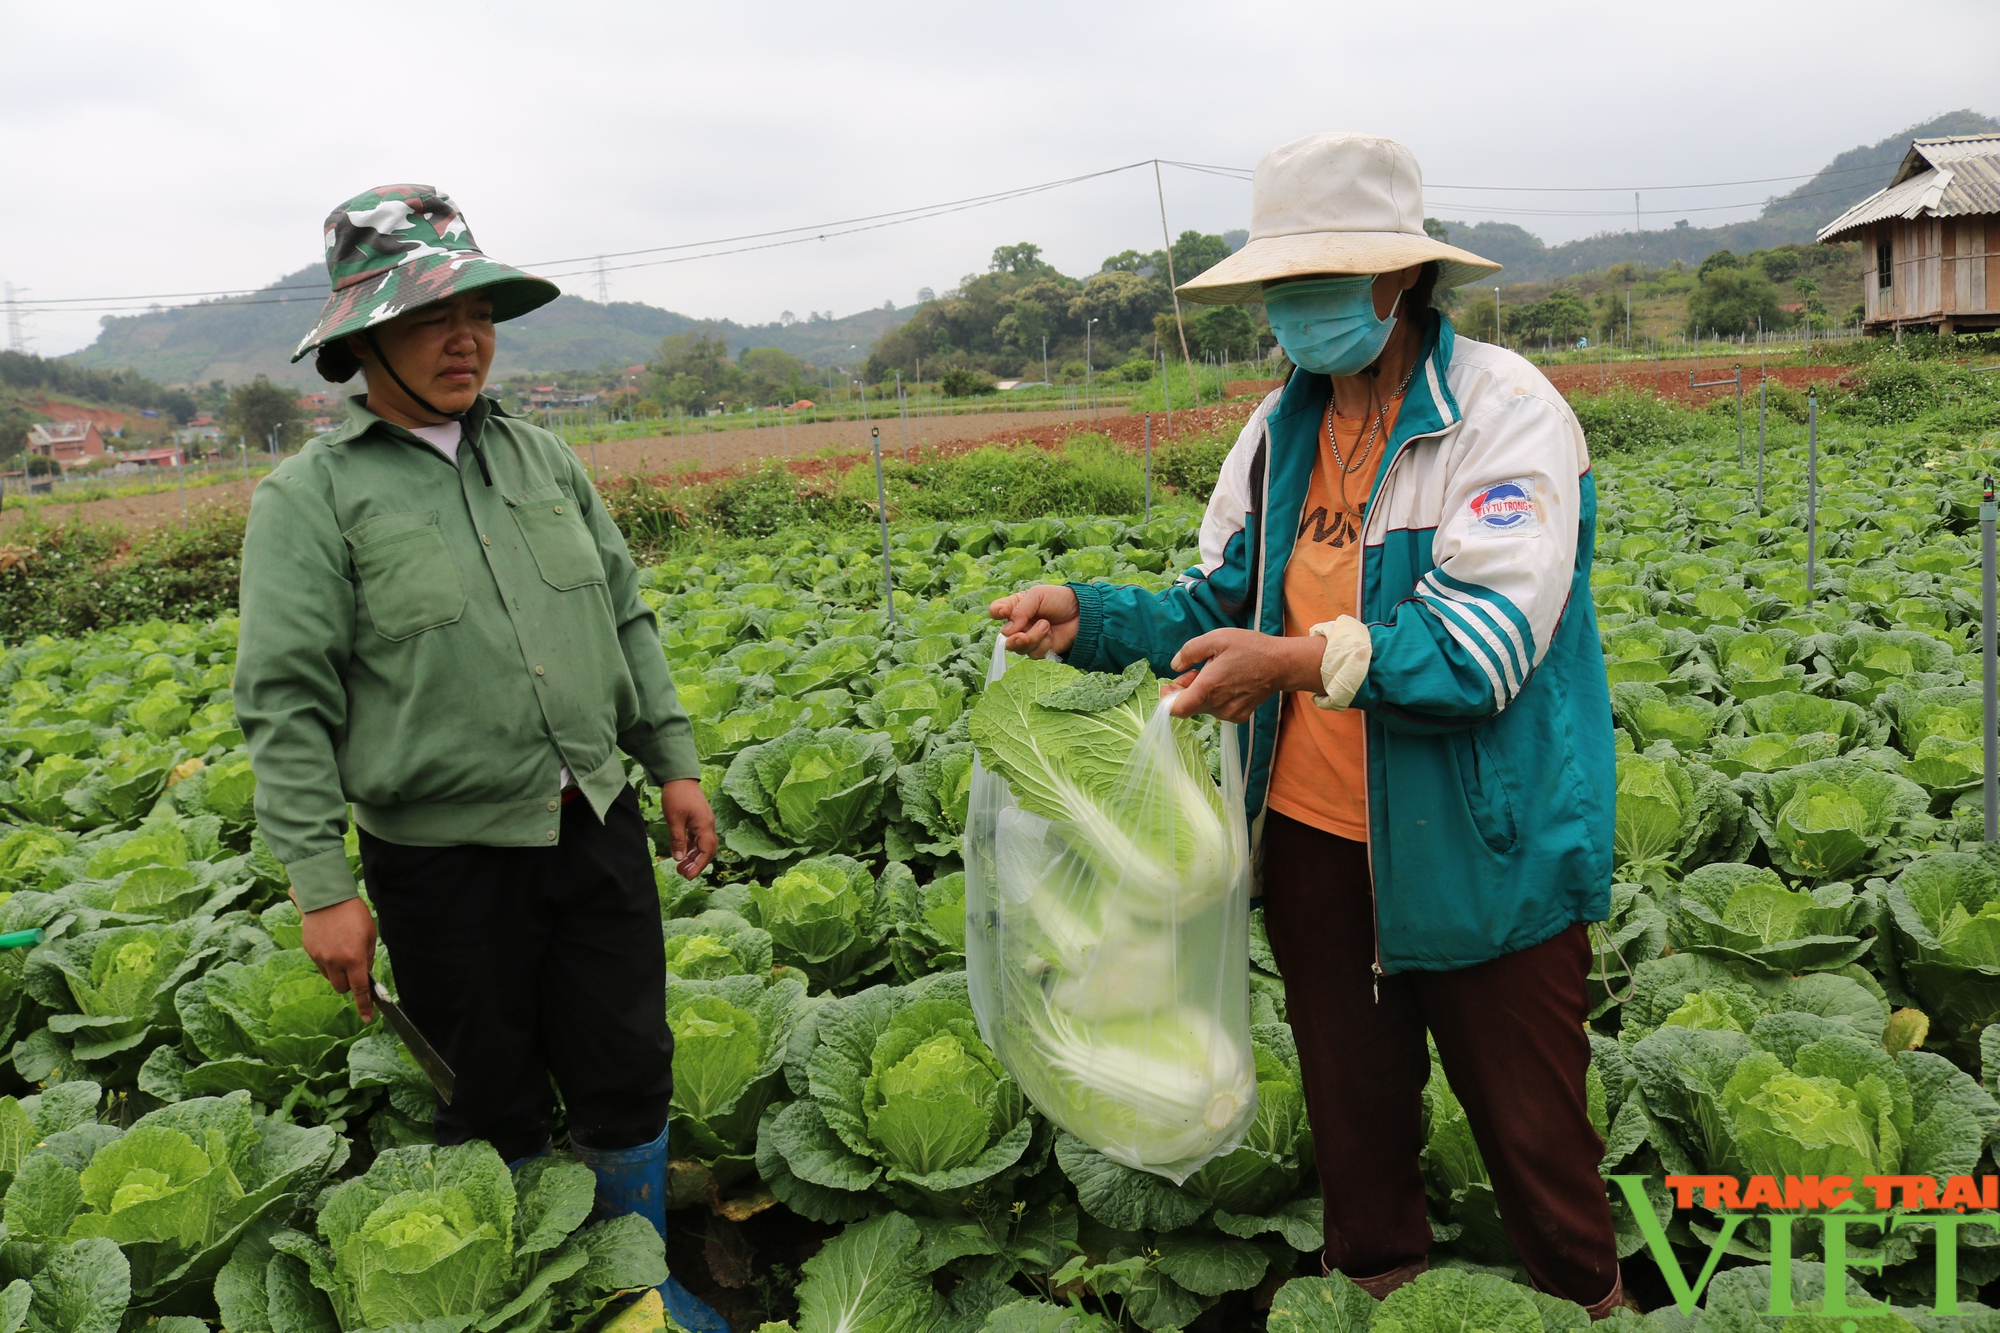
(1107, 903)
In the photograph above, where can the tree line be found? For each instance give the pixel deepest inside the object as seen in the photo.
(1023, 318)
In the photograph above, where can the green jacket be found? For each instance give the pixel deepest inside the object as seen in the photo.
(433, 648)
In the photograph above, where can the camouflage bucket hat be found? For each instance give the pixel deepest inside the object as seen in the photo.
(395, 248)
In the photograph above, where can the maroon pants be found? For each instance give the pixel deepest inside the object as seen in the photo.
(1510, 1035)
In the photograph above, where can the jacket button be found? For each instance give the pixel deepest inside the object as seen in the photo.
(558, 509)
(485, 540)
(552, 835)
(555, 805)
(538, 671)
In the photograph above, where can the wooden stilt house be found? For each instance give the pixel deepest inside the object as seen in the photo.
(1931, 239)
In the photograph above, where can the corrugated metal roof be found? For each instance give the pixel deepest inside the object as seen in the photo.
(1953, 177)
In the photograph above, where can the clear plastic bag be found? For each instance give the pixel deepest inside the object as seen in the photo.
(1107, 950)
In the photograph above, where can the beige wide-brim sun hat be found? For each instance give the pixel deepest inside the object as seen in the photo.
(1333, 203)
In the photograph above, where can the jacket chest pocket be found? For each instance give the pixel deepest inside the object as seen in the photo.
(409, 582)
(551, 523)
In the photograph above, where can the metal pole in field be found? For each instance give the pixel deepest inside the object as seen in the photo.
(1812, 490)
(1988, 512)
(882, 513)
(1149, 466)
(1166, 395)
(1761, 386)
(1739, 416)
(1089, 382)
(903, 414)
(180, 477)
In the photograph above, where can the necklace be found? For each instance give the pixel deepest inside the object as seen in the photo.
(1347, 468)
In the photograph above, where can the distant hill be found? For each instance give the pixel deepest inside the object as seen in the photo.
(1790, 218)
(240, 337)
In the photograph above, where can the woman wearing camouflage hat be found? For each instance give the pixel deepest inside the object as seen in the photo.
(1394, 593)
(442, 629)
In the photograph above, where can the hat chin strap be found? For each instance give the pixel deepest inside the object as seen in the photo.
(478, 455)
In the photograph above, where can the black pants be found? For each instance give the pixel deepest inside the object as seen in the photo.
(1510, 1034)
(519, 963)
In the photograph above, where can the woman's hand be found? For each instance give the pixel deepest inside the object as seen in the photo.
(690, 825)
(1240, 669)
(341, 942)
(1040, 621)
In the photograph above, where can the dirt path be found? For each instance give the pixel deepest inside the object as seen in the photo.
(709, 452)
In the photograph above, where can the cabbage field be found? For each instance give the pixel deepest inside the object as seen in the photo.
(1798, 976)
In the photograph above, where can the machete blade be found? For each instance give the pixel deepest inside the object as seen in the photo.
(421, 1050)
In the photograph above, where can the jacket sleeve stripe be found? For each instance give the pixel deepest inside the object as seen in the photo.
(1480, 645)
(1509, 656)
(1502, 609)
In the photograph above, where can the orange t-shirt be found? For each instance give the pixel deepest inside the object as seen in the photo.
(1320, 776)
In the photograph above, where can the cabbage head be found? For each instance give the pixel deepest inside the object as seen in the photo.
(936, 793)
(912, 704)
(1769, 752)
(826, 916)
(1703, 991)
(1789, 713)
(730, 1037)
(1649, 714)
(806, 792)
(112, 990)
(1835, 817)
(450, 1234)
(1751, 663)
(1802, 1094)
(930, 926)
(902, 1106)
(1748, 914)
(1674, 814)
(830, 663)
(273, 1028)
(716, 943)
(1940, 728)
(1864, 661)
(175, 1192)
(1944, 914)
(1643, 651)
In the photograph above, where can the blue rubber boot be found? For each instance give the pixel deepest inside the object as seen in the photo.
(634, 1180)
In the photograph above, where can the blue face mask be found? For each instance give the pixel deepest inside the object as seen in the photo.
(1327, 325)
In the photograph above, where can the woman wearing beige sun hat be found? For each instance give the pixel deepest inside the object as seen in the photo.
(1394, 593)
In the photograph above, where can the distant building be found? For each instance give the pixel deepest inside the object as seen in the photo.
(548, 395)
(68, 442)
(202, 429)
(145, 458)
(1930, 239)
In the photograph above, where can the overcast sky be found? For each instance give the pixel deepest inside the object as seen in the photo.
(153, 148)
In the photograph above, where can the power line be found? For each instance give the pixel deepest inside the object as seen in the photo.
(819, 231)
(787, 236)
(1246, 173)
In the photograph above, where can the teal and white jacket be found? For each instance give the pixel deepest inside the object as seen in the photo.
(1491, 778)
